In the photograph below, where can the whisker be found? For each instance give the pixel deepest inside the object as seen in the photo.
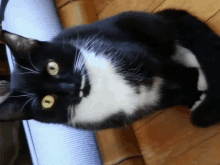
(88, 41)
(81, 62)
(28, 73)
(33, 101)
(26, 68)
(76, 54)
(31, 62)
(76, 62)
(21, 95)
(93, 43)
(78, 59)
(26, 103)
(24, 92)
(138, 68)
(100, 46)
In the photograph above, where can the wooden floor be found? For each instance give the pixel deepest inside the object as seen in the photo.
(168, 137)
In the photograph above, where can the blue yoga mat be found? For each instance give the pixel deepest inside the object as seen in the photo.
(49, 144)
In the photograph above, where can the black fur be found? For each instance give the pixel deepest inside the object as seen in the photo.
(131, 37)
(205, 44)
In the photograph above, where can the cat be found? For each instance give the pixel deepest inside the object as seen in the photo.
(113, 72)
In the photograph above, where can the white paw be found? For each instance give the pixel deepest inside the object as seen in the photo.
(197, 103)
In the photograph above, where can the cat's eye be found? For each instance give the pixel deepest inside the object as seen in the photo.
(52, 68)
(48, 101)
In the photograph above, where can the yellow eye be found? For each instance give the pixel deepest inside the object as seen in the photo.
(52, 68)
(47, 101)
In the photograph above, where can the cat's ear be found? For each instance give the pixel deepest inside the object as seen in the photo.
(19, 45)
(14, 108)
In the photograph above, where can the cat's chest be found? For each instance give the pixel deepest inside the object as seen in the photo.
(110, 93)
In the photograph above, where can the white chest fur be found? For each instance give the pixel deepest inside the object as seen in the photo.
(110, 93)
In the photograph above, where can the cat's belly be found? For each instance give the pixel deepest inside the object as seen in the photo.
(187, 58)
(110, 93)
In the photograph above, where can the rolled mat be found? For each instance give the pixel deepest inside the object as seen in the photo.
(49, 144)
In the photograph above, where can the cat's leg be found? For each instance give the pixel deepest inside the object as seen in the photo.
(149, 29)
(196, 36)
(181, 84)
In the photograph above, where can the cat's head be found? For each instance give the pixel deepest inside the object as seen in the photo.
(43, 82)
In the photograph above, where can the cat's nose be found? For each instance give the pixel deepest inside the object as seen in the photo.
(68, 88)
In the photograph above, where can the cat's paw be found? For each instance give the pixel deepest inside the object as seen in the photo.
(206, 114)
(172, 13)
(205, 118)
(198, 102)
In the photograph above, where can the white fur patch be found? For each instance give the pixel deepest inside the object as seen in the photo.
(110, 93)
(197, 103)
(83, 82)
(187, 58)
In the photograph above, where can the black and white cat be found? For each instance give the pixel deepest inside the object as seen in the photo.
(116, 71)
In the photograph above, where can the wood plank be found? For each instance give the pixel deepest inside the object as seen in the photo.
(118, 6)
(133, 161)
(169, 135)
(60, 3)
(117, 144)
(101, 4)
(214, 23)
(136, 125)
(202, 9)
(77, 12)
(206, 153)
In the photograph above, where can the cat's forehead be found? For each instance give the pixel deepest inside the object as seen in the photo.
(53, 49)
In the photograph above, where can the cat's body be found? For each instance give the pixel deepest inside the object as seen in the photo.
(114, 71)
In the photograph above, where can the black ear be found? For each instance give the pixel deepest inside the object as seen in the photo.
(14, 107)
(20, 46)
